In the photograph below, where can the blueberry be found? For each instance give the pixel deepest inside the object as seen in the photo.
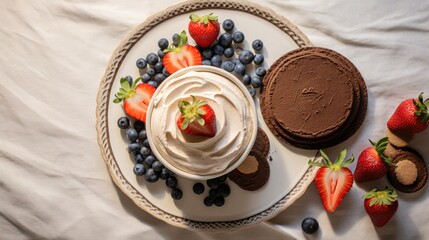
(151, 72)
(207, 53)
(213, 183)
(153, 83)
(247, 80)
(149, 160)
(176, 193)
(146, 78)
(146, 143)
(133, 147)
(175, 39)
(216, 61)
(209, 201)
(139, 169)
(218, 49)
(228, 66)
(225, 40)
(257, 45)
(161, 54)
(141, 63)
(240, 69)
(238, 37)
(152, 58)
(142, 135)
(198, 188)
(256, 82)
(144, 151)
(165, 72)
(123, 122)
(131, 134)
(138, 158)
(228, 25)
(206, 62)
(260, 71)
(309, 225)
(157, 166)
(129, 79)
(228, 52)
(171, 182)
(258, 59)
(150, 175)
(252, 91)
(213, 192)
(224, 190)
(158, 67)
(163, 43)
(246, 57)
(159, 78)
(164, 174)
(139, 125)
(222, 178)
(219, 201)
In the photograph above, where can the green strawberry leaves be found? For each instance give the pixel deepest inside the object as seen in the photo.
(203, 19)
(339, 163)
(383, 197)
(126, 90)
(422, 109)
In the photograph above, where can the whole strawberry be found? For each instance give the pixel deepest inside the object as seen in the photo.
(196, 118)
(333, 180)
(411, 116)
(372, 163)
(204, 30)
(136, 98)
(381, 206)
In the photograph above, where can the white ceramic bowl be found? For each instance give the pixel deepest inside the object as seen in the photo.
(166, 154)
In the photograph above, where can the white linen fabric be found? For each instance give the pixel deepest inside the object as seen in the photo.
(54, 183)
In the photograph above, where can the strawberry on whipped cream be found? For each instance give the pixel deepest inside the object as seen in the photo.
(235, 118)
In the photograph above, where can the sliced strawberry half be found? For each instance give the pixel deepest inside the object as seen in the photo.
(136, 98)
(333, 180)
(182, 56)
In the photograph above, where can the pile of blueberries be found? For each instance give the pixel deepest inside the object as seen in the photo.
(145, 163)
(219, 190)
(226, 53)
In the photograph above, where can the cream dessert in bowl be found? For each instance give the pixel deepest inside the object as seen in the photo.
(196, 157)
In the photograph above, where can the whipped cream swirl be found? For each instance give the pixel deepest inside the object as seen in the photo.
(201, 155)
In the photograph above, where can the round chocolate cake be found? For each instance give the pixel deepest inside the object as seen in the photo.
(313, 98)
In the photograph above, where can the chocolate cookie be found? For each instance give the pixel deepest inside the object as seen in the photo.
(253, 173)
(262, 143)
(409, 173)
(313, 98)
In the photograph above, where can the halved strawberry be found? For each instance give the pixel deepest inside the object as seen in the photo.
(333, 180)
(136, 98)
(197, 118)
(182, 56)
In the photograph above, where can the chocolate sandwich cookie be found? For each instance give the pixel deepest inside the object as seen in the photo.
(313, 98)
(253, 173)
(262, 143)
(409, 172)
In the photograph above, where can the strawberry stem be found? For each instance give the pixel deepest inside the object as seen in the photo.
(381, 197)
(422, 109)
(380, 147)
(126, 90)
(337, 165)
(205, 19)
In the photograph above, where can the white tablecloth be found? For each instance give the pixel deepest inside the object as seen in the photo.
(54, 183)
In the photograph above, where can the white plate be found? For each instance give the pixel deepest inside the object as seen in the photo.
(290, 174)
